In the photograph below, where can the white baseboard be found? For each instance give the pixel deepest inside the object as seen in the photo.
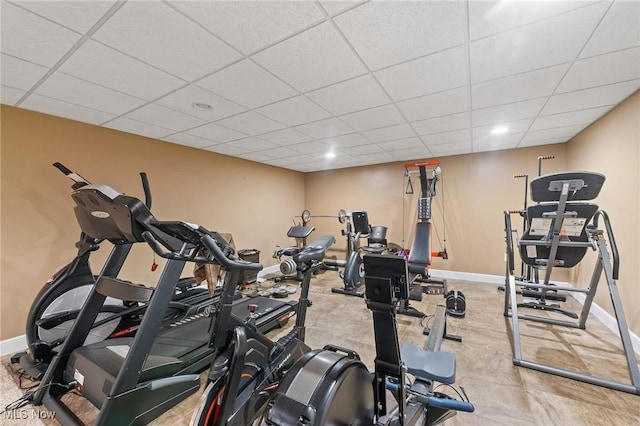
(607, 319)
(13, 345)
(273, 269)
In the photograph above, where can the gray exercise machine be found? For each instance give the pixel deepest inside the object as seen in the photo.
(561, 228)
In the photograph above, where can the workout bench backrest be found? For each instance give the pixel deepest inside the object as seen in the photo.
(554, 203)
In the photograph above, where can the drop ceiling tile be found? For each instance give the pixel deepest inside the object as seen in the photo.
(252, 25)
(584, 116)
(618, 30)
(352, 95)
(487, 146)
(294, 111)
(306, 158)
(412, 154)
(446, 137)
(445, 70)
(545, 43)
(285, 137)
(315, 58)
(216, 133)
(10, 95)
(278, 162)
(70, 89)
(357, 151)
(442, 124)
(590, 98)
(255, 156)
(309, 147)
(165, 117)
(188, 140)
(566, 132)
(519, 87)
(226, 149)
(600, 70)
(20, 74)
(401, 144)
(77, 15)
(509, 112)
(251, 123)
(455, 148)
(335, 6)
(252, 144)
(64, 109)
(374, 118)
(281, 152)
(438, 104)
(138, 128)
(167, 40)
(376, 158)
(400, 131)
(386, 33)
(339, 142)
(496, 142)
(491, 17)
(541, 142)
(247, 84)
(102, 65)
(325, 128)
(30, 37)
(519, 126)
(183, 100)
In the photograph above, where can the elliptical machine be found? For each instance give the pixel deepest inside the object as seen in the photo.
(58, 303)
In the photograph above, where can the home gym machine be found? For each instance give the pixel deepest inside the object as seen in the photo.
(560, 229)
(132, 380)
(57, 305)
(249, 366)
(333, 386)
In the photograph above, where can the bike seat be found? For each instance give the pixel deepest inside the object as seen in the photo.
(439, 366)
(310, 254)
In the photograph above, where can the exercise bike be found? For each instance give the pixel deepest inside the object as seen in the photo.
(249, 366)
(333, 386)
(353, 273)
(57, 305)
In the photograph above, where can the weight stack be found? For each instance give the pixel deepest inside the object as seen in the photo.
(253, 256)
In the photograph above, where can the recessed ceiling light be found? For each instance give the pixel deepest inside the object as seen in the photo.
(201, 106)
(330, 155)
(499, 130)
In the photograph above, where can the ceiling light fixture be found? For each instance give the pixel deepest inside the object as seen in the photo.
(499, 130)
(330, 155)
(201, 106)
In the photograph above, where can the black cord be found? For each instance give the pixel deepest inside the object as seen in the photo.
(455, 390)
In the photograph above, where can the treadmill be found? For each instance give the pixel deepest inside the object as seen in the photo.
(132, 380)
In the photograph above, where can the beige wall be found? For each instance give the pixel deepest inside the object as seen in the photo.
(254, 202)
(474, 191)
(612, 146)
(258, 203)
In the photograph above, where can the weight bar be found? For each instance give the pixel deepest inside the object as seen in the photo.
(306, 216)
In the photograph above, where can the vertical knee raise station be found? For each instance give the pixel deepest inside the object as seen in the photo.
(561, 227)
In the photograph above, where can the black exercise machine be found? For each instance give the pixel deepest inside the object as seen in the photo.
(353, 273)
(289, 266)
(248, 366)
(132, 380)
(560, 229)
(333, 386)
